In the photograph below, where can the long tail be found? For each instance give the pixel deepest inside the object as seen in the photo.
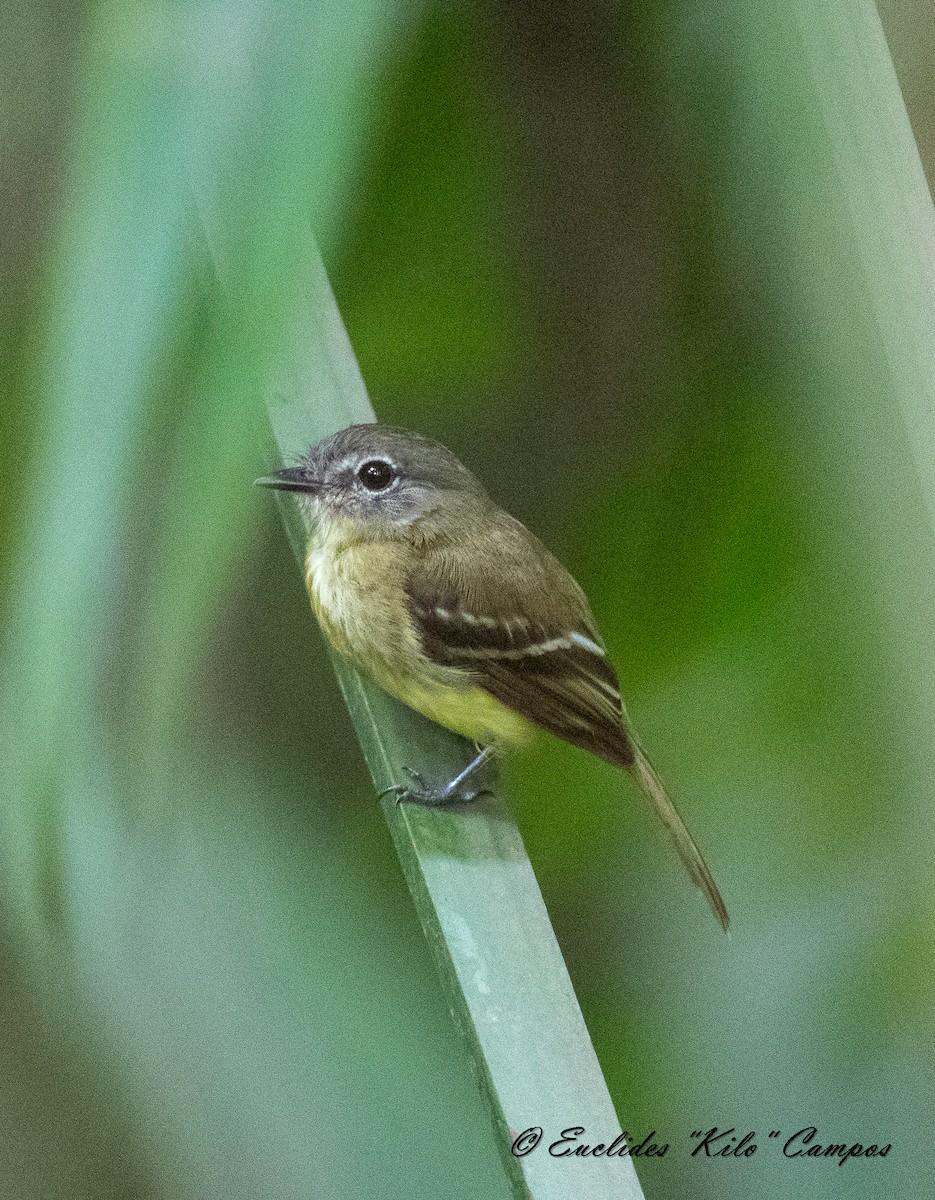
(689, 853)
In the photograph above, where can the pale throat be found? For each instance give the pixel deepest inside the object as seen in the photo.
(325, 572)
(357, 592)
(356, 589)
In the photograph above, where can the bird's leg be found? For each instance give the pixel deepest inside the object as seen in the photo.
(453, 791)
(455, 787)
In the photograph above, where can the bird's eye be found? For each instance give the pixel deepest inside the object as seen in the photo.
(376, 475)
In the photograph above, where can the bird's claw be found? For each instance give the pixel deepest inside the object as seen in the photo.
(431, 797)
(420, 794)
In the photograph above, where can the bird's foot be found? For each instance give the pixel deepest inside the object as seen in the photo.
(456, 791)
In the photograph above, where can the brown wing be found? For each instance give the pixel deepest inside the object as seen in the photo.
(556, 677)
(522, 626)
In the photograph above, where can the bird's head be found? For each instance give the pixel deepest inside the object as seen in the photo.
(384, 482)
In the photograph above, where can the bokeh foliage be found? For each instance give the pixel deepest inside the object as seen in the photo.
(660, 276)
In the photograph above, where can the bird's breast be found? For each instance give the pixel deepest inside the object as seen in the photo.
(358, 594)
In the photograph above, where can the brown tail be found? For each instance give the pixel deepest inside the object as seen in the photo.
(689, 853)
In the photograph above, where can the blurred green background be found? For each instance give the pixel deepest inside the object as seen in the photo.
(661, 274)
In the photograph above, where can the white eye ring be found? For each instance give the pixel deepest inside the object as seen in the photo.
(376, 474)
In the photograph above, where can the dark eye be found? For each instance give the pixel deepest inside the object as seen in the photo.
(376, 475)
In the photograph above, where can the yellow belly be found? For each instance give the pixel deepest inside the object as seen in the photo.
(357, 594)
(470, 711)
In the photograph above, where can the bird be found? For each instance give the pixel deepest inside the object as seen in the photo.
(454, 607)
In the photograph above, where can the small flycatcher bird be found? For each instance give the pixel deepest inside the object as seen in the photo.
(457, 609)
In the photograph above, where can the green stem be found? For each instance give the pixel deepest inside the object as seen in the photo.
(466, 866)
